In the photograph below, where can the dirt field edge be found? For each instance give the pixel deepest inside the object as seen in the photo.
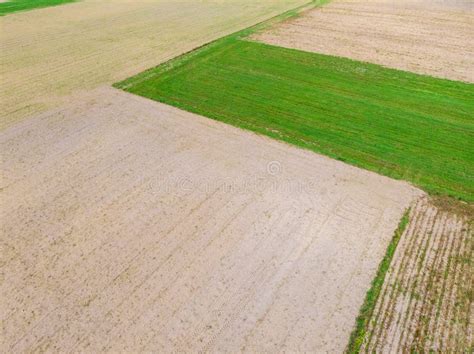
(357, 336)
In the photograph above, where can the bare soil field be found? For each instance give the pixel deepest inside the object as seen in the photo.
(427, 304)
(48, 54)
(426, 37)
(131, 225)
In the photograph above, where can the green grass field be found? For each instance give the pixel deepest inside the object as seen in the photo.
(400, 124)
(22, 5)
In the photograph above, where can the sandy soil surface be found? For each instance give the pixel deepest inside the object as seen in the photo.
(426, 303)
(48, 54)
(426, 37)
(130, 225)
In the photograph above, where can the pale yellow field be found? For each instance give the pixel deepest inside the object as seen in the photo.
(134, 226)
(48, 54)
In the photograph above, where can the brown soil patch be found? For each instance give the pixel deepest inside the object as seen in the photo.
(128, 225)
(427, 301)
(426, 37)
(48, 54)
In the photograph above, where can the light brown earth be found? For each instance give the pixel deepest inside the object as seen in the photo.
(426, 37)
(427, 302)
(48, 54)
(128, 225)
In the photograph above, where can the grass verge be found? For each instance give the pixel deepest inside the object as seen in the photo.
(24, 5)
(362, 322)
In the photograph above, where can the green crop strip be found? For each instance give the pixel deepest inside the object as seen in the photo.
(396, 123)
(362, 322)
(24, 5)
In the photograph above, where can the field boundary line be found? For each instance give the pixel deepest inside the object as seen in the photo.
(187, 56)
(365, 313)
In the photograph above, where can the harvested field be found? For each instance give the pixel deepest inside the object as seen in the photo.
(48, 54)
(130, 225)
(426, 37)
(427, 301)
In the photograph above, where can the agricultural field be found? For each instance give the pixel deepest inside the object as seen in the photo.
(237, 176)
(49, 55)
(426, 301)
(396, 123)
(182, 233)
(425, 37)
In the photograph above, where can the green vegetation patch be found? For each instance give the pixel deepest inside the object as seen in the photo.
(24, 5)
(396, 123)
(362, 322)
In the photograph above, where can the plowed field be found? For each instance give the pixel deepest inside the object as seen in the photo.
(129, 225)
(426, 37)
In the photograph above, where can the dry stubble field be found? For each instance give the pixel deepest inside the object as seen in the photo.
(427, 301)
(133, 225)
(49, 54)
(424, 36)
